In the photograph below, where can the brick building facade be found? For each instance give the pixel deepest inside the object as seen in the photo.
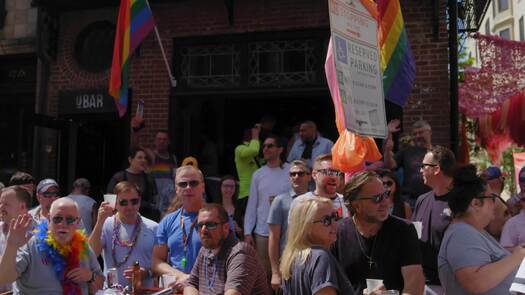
(186, 111)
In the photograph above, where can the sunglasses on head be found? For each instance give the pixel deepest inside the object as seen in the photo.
(377, 198)
(299, 173)
(185, 184)
(69, 219)
(124, 203)
(269, 145)
(50, 195)
(209, 225)
(330, 172)
(328, 219)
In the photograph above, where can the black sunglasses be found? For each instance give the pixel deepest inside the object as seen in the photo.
(69, 219)
(49, 195)
(269, 145)
(328, 219)
(300, 174)
(185, 184)
(377, 198)
(209, 225)
(124, 203)
(423, 165)
(330, 172)
(493, 197)
(388, 183)
(522, 179)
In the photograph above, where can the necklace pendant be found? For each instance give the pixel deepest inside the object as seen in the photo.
(370, 263)
(183, 262)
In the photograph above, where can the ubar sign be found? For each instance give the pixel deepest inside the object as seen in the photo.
(94, 101)
(357, 64)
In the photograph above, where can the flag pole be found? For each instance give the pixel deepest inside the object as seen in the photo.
(172, 79)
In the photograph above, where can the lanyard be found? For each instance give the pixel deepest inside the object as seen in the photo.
(185, 237)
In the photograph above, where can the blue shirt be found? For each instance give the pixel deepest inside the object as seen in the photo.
(170, 233)
(321, 146)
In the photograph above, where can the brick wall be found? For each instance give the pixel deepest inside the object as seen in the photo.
(149, 79)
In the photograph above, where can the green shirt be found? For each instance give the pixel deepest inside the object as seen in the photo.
(245, 162)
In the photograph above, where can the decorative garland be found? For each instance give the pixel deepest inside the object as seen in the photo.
(63, 258)
(130, 243)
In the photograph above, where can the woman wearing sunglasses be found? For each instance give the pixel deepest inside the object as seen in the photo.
(399, 208)
(307, 267)
(470, 260)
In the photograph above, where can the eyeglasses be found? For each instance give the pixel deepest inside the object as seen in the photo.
(327, 219)
(423, 165)
(300, 174)
(124, 203)
(269, 145)
(330, 172)
(377, 198)
(185, 184)
(228, 185)
(209, 225)
(49, 195)
(493, 197)
(69, 219)
(388, 183)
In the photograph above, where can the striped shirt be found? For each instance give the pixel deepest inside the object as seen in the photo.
(236, 266)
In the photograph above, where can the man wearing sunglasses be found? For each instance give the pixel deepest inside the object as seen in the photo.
(432, 210)
(38, 267)
(124, 237)
(47, 191)
(374, 244)
(327, 180)
(224, 265)
(278, 216)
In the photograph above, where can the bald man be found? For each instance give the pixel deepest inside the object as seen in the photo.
(36, 268)
(309, 145)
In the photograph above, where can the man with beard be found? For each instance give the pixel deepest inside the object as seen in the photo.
(432, 209)
(310, 144)
(409, 158)
(14, 201)
(57, 260)
(224, 265)
(47, 191)
(375, 245)
(326, 183)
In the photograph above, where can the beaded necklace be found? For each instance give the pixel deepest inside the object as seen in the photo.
(130, 243)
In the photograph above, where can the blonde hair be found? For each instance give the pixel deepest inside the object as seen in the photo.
(298, 244)
(186, 168)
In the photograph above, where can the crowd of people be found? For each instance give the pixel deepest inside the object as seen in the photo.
(290, 223)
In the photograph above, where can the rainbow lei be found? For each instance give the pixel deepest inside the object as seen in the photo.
(63, 258)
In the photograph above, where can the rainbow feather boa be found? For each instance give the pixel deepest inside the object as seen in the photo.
(63, 258)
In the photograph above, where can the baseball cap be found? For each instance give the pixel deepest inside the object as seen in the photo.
(45, 184)
(492, 172)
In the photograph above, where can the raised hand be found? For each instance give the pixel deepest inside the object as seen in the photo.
(18, 230)
(104, 211)
(393, 126)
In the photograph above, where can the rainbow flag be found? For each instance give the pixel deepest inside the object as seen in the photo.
(135, 22)
(397, 63)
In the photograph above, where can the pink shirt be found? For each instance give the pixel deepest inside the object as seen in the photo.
(513, 233)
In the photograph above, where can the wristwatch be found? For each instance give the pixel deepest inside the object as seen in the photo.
(93, 276)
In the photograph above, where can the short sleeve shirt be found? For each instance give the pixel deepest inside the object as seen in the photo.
(320, 270)
(170, 233)
(278, 214)
(465, 246)
(410, 160)
(513, 233)
(337, 203)
(36, 274)
(394, 246)
(141, 252)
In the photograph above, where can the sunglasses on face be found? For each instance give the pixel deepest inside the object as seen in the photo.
(377, 198)
(49, 195)
(328, 219)
(388, 183)
(69, 219)
(299, 174)
(493, 197)
(185, 184)
(423, 165)
(522, 179)
(330, 172)
(209, 225)
(269, 145)
(124, 203)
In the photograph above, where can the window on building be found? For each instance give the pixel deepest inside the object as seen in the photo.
(522, 29)
(487, 27)
(94, 46)
(505, 34)
(503, 5)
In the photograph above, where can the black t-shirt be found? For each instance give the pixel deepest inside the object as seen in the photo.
(394, 246)
(410, 160)
(435, 216)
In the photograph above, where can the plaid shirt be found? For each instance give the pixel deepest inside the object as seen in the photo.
(236, 266)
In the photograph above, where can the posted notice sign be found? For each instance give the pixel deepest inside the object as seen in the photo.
(357, 64)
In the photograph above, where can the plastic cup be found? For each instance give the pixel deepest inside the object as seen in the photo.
(419, 228)
(111, 199)
(166, 280)
(390, 292)
(372, 284)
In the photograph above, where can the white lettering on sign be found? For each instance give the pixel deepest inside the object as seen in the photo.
(90, 101)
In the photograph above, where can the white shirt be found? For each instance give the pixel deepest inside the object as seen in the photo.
(338, 204)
